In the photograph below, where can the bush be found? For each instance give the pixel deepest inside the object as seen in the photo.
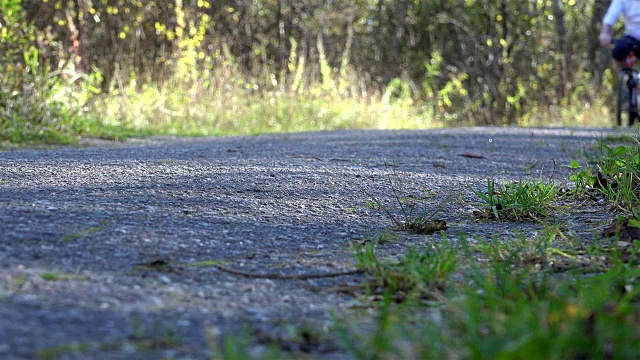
(34, 103)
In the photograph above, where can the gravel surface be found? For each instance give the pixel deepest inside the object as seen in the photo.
(113, 251)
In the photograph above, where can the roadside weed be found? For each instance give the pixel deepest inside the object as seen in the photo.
(520, 251)
(385, 236)
(619, 158)
(624, 192)
(53, 276)
(420, 272)
(519, 316)
(525, 199)
(581, 177)
(620, 138)
(238, 347)
(542, 294)
(58, 351)
(74, 236)
(411, 217)
(49, 276)
(397, 334)
(507, 307)
(618, 178)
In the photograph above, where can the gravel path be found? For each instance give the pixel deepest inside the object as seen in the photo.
(113, 251)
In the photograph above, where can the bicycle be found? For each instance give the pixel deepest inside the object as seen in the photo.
(627, 91)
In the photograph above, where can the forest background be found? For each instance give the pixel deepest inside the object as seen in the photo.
(111, 68)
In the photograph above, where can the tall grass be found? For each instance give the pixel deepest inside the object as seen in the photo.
(215, 97)
(224, 105)
(224, 100)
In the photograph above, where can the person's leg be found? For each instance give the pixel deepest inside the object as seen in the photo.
(623, 47)
(635, 48)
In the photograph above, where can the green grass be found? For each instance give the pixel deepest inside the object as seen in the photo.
(55, 352)
(618, 177)
(238, 347)
(385, 236)
(240, 110)
(68, 134)
(82, 233)
(41, 137)
(173, 110)
(141, 340)
(409, 214)
(226, 104)
(205, 263)
(515, 305)
(52, 276)
(49, 276)
(526, 199)
(419, 273)
(544, 296)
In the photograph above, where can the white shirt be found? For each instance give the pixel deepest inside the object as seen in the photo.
(630, 9)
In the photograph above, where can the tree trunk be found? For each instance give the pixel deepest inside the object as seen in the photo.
(596, 63)
(565, 60)
(284, 32)
(398, 36)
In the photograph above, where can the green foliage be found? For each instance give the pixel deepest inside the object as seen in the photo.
(581, 177)
(237, 347)
(207, 68)
(398, 91)
(507, 308)
(620, 159)
(530, 317)
(412, 218)
(211, 67)
(49, 276)
(518, 200)
(522, 297)
(384, 237)
(619, 176)
(421, 273)
(34, 102)
(58, 351)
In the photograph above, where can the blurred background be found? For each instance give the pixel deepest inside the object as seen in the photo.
(116, 68)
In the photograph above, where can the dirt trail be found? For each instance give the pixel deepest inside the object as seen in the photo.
(121, 251)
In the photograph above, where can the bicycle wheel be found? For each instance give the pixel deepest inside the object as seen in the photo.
(624, 103)
(633, 106)
(633, 100)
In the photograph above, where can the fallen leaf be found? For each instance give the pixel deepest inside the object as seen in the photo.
(627, 233)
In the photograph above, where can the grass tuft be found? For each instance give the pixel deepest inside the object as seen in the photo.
(545, 295)
(527, 199)
(421, 273)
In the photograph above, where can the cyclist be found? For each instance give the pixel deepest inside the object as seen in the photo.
(630, 9)
(629, 42)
